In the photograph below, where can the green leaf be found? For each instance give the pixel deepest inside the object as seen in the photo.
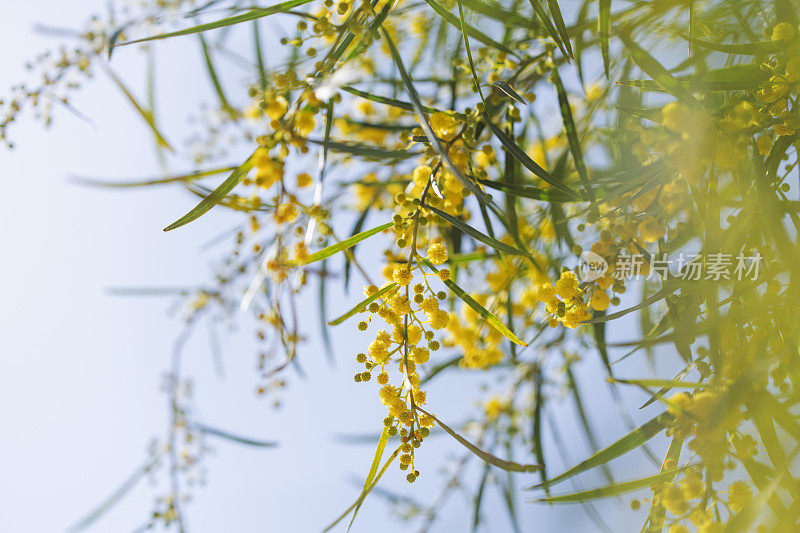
(373, 470)
(475, 234)
(212, 74)
(145, 114)
(216, 196)
(191, 176)
(366, 151)
(407, 106)
(478, 308)
(117, 495)
(661, 294)
(747, 49)
(558, 19)
(658, 511)
(572, 135)
(518, 154)
(362, 306)
(603, 30)
(731, 78)
(233, 438)
(476, 516)
(262, 71)
(343, 245)
(244, 17)
(548, 24)
(471, 30)
(667, 383)
(599, 332)
(364, 493)
(657, 71)
(425, 123)
(631, 441)
(485, 456)
(509, 91)
(528, 191)
(497, 12)
(615, 489)
(742, 520)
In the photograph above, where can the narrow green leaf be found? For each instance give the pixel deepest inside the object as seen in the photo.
(485, 456)
(364, 494)
(518, 154)
(343, 245)
(373, 470)
(661, 294)
(323, 312)
(731, 78)
(747, 49)
(658, 511)
(496, 12)
(426, 126)
(603, 30)
(528, 191)
(478, 308)
(558, 19)
(476, 515)
(407, 106)
(631, 441)
(538, 414)
(475, 234)
(212, 75)
(509, 91)
(668, 383)
(116, 496)
(216, 196)
(762, 420)
(742, 520)
(572, 135)
(471, 30)
(599, 331)
(262, 70)
(657, 71)
(191, 176)
(614, 489)
(145, 114)
(232, 437)
(244, 17)
(548, 24)
(362, 306)
(364, 150)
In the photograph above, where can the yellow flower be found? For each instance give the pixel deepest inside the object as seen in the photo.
(437, 253)
(440, 319)
(494, 406)
(419, 354)
(300, 252)
(304, 180)
(651, 230)
(304, 122)
(793, 69)
(444, 125)
(764, 143)
(783, 31)
(599, 300)
(567, 285)
(276, 107)
(672, 498)
(402, 275)
(739, 495)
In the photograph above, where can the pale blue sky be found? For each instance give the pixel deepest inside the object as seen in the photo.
(80, 370)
